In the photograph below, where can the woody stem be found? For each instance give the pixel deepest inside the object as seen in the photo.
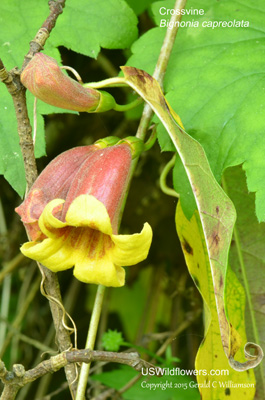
(90, 342)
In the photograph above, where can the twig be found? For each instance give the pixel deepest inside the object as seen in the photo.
(168, 43)
(11, 265)
(6, 289)
(183, 326)
(19, 377)
(56, 8)
(37, 44)
(160, 351)
(17, 91)
(9, 392)
(24, 338)
(19, 318)
(52, 288)
(12, 81)
(161, 65)
(48, 396)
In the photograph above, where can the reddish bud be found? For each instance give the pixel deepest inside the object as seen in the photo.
(44, 78)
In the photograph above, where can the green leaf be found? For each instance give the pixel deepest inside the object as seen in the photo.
(210, 356)
(11, 163)
(150, 387)
(134, 296)
(182, 186)
(216, 211)
(247, 258)
(112, 340)
(83, 27)
(216, 82)
(14, 41)
(139, 6)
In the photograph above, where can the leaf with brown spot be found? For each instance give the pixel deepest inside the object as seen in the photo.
(210, 355)
(217, 228)
(186, 246)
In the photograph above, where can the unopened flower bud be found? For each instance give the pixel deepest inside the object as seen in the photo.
(44, 78)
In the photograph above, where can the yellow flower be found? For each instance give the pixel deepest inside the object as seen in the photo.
(86, 241)
(81, 228)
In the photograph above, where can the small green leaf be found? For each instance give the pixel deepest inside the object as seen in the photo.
(112, 340)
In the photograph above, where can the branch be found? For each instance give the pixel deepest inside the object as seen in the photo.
(52, 289)
(18, 377)
(56, 8)
(12, 81)
(37, 44)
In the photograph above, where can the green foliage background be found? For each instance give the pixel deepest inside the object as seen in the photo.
(215, 82)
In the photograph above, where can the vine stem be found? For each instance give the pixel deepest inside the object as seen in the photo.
(168, 43)
(90, 342)
(159, 73)
(12, 81)
(161, 65)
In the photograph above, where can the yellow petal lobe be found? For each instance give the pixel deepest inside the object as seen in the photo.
(87, 211)
(51, 253)
(86, 242)
(48, 223)
(131, 249)
(101, 272)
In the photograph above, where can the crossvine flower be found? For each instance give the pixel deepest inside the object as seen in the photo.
(72, 214)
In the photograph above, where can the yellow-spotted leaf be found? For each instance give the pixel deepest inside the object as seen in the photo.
(216, 211)
(220, 382)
